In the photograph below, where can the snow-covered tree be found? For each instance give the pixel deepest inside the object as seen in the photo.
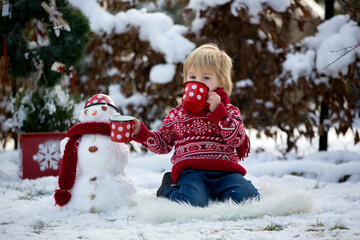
(42, 42)
(135, 56)
(137, 51)
(132, 53)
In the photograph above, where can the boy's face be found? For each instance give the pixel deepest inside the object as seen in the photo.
(207, 76)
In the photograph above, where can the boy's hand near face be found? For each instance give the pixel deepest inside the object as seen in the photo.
(213, 99)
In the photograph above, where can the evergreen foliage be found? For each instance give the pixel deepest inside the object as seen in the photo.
(40, 104)
(68, 48)
(47, 110)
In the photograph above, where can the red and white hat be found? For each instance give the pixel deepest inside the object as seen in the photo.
(100, 99)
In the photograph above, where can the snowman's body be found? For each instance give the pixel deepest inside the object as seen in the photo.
(100, 183)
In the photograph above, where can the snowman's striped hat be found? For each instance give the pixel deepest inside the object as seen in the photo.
(101, 99)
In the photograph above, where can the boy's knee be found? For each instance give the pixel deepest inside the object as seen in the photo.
(189, 194)
(195, 202)
(239, 195)
(194, 195)
(251, 193)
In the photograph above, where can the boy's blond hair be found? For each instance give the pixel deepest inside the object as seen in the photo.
(209, 56)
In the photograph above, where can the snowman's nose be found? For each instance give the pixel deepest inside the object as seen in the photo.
(93, 112)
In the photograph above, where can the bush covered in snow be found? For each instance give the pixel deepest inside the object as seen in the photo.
(281, 52)
(43, 110)
(140, 48)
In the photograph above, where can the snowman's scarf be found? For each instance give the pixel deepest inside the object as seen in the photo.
(69, 161)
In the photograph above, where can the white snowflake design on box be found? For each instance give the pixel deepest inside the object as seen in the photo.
(48, 156)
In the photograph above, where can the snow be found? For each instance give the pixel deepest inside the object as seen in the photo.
(253, 7)
(300, 192)
(162, 73)
(303, 63)
(338, 33)
(138, 100)
(304, 206)
(244, 83)
(54, 98)
(337, 45)
(198, 23)
(203, 4)
(327, 50)
(159, 29)
(112, 72)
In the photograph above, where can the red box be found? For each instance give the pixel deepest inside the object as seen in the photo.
(40, 154)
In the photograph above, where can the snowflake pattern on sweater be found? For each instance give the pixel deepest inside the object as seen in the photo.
(204, 140)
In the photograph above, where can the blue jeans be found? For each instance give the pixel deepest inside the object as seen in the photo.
(197, 187)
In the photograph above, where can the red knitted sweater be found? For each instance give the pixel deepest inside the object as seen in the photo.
(205, 140)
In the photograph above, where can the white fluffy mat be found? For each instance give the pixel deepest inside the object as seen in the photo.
(274, 201)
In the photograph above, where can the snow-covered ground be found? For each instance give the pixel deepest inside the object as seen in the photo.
(301, 199)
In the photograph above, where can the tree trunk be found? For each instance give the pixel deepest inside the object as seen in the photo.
(324, 112)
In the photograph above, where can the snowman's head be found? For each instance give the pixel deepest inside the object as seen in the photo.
(98, 108)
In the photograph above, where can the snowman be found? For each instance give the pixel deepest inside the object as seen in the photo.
(92, 176)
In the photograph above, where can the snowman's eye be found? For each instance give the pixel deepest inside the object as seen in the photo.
(104, 108)
(85, 112)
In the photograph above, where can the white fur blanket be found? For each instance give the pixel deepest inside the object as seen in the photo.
(275, 200)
